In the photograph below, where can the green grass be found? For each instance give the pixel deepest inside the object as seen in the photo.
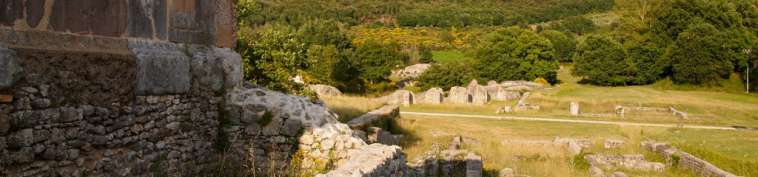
(549, 160)
(705, 105)
(445, 56)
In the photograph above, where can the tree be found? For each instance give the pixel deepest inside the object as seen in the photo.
(322, 64)
(677, 15)
(324, 32)
(644, 58)
(376, 61)
(697, 56)
(272, 56)
(601, 60)
(516, 54)
(446, 75)
(564, 44)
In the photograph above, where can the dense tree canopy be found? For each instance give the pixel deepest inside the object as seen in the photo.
(601, 60)
(447, 75)
(377, 61)
(696, 56)
(564, 44)
(516, 54)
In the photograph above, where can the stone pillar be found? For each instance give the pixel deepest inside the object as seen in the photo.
(433, 96)
(10, 70)
(459, 95)
(574, 109)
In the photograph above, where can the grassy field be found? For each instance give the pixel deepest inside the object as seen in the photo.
(722, 106)
(731, 150)
(444, 56)
(734, 151)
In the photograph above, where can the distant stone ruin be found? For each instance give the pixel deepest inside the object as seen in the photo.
(434, 96)
(459, 95)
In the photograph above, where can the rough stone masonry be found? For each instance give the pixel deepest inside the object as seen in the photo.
(151, 88)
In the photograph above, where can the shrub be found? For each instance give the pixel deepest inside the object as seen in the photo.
(516, 54)
(645, 61)
(446, 75)
(375, 61)
(577, 24)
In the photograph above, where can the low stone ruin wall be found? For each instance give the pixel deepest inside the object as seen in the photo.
(373, 160)
(685, 160)
(451, 162)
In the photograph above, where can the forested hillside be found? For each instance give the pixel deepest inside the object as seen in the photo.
(354, 45)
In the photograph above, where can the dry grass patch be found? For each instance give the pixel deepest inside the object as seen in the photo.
(349, 107)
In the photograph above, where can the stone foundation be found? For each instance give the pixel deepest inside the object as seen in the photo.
(685, 160)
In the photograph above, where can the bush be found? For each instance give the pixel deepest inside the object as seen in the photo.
(564, 44)
(375, 61)
(446, 75)
(516, 54)
(601, 60)
(272, 56)
(696, 56)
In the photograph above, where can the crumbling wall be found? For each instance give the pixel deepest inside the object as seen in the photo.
(685, 160)
(114, 87)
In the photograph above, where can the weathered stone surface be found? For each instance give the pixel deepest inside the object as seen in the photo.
(434, 96)
(503, 94)
(147, 19)
(574, 109)
(479, 94)
(619, 174)
(632, 161)
(380, 116)
(378, 135)
(10, 69)
(325, 90)
(459, 95)
(375, 160)
(106, 18)
(685, 160)
(613, 143)
(519, 85)
(162, 68)
(411, 72)
(231, 64)
(504, 110)
(206, 67)
(506, 172)
(401, 97)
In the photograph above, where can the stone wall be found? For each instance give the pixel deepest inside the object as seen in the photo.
(208, 22)
(373, 160)
(685, 160)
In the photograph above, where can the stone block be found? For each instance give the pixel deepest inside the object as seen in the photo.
(325, 90)
(147, 19)
(104, 17)
(459, 95)
(402, 97)
(162, 68)
(206, 68)
(479, 94)
(574, 109)
(10, 68)
(231, 64)
(434, 96)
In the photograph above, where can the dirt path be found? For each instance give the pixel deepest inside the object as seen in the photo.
(542, 119)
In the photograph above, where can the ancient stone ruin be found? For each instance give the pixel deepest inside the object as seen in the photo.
(434, 96)
(151, 88)
(450, 162)
(459, 95)
(685, 160)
